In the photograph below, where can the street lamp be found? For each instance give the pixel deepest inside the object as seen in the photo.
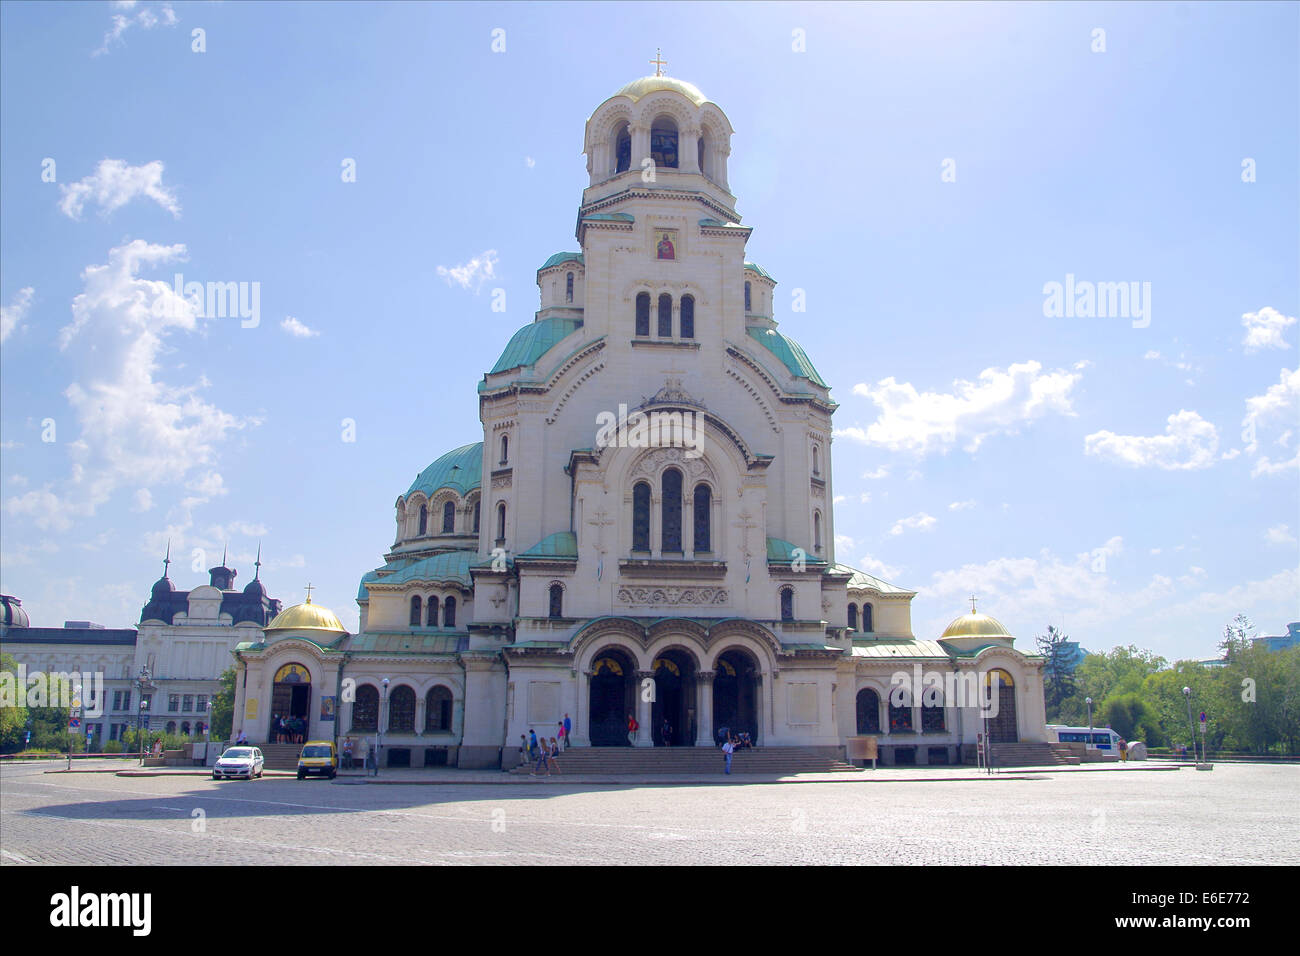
(74, 719)
(1187, 693)
(383, 707)
(142, 683)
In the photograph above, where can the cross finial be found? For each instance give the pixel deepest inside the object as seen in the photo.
(972, 604)
(224, 548)
(659, 62)
(168, 559)
(309, 590)
(258, 563)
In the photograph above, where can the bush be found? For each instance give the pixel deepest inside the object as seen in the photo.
(112, 746)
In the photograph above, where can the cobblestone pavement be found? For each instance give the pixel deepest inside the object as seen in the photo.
(1235, 815)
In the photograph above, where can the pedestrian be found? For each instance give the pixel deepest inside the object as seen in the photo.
(543, 755)
(564, 743)
(532, 742)
(551, 756)
(1123, 750)
(666, 732)
(242, 738)
(632, 728)
(523, 749)
(568, 732)
(347, 753)
(727, 750)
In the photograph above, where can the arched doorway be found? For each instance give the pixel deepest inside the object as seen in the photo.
(290, 698)
(868, 711)
(611, 698)
(735, 694)
(674, 700)
(1002, 727)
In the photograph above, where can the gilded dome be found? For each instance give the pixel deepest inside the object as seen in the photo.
(306, 617)
(653, 84)
(975, 625)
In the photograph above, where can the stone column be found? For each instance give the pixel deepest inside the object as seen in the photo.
(656, 502)
(688, 158)
(419, 715)
(645, 736)
(640, 145)
(581, 726)
(688, 512)
(704, 708)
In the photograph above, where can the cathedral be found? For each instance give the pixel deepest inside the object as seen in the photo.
(646, 528)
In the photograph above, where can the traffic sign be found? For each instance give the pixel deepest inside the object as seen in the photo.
(74, 723)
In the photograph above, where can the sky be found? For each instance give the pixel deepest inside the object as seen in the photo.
(918, 177)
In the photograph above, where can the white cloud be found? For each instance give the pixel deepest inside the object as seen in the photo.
(143, 500)
(843, 541)
(918, 522)
(1189, 442)
(1264, 329)
(1152, 354)
(1279, 534)
(472, 274)
(12, 315)
(962, 505)
(114, 184)
(297, 329)
(144, 17)
(1000, 402)
(1280, 401)
(880, 472)
(530, 162)
(880, 569)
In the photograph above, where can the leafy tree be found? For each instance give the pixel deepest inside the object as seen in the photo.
(1059, 672)
(223, 707)
(13, 720)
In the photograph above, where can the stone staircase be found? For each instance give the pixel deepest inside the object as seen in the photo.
(1032, 755)
(280, 756)
(693, 760)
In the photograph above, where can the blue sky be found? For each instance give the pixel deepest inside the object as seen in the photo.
(1133, 480)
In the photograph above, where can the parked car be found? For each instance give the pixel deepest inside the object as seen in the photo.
(244, 762)
(318, 756)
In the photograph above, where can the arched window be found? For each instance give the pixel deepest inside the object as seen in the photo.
(401, 710)
(449, 612)
(748, 306)
(787, 604)
(416, 606)
(568, 287)
(817, 532)
(424, 518)
(448, 517)
(641, 517)
(688, 317)
(663, 142)
(866, 618)
(505, 449)
(703, 517)
(476, 504)
(817, 460)
(932, 710)
(171, 726)
(665, 316)
(185, 728)
(437, 711)
(853, 617)
(643, 313)
(557, 601)
(900, 716)
(365, 709)
(671, 538)
(868, 711)
(700, 154)
(501, 521)
(622, 149)
(431, 617)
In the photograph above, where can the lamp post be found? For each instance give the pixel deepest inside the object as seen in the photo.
(74, 719)
(142, 683)
(383, 708)
(1187, 693)
(1088, 742)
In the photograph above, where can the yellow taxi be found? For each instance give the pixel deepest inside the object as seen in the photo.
(318, 756)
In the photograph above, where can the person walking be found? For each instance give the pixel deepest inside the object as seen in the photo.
(559, 733)
(523, 749)
(568, 732)
(727, 750)
(666, 732)
(551, 756)
(632, 728)
(532, 743)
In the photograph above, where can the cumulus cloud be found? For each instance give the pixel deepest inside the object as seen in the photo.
(917, 522)
(134, 429)
(1000, 402)
(113, 184)
(13, 314)
(1189, 442)
(1281, 402)
(1279, 534)
(962, 505)
(297, 329)
(1264, 329)
(128, 16)
(886, 572)
(472, 274)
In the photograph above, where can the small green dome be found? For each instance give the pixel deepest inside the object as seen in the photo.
(461, 469)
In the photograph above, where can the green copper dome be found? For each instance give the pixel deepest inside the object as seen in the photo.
(790, 352)
(533, 341)
(461, 469)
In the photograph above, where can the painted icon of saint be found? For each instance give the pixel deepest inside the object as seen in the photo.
(666, 248)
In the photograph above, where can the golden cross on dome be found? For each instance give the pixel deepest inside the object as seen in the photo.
(972, 604)
(309, 590)
(659, 62)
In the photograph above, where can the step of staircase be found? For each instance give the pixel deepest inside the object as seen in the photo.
(1032, 755)
(280, 756)
(690, 760)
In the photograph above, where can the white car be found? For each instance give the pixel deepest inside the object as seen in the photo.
(244, 762)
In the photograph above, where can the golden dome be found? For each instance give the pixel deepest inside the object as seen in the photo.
(306, 617)
(653, 84)
(975, 625)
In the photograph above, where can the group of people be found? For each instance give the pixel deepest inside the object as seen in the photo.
(544, 751)
(731, 743)
(288, 730)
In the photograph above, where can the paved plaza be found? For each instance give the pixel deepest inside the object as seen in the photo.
(1234, 815)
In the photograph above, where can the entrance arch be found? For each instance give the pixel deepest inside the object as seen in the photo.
(1003, 729)
(290, 697)
(674, 699)
(612, 696)
(735, 694)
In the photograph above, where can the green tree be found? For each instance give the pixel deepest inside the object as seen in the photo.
(1058, 685)
(13, 720)
(223, 707)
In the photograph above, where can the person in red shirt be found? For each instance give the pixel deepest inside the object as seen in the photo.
(632, 728)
